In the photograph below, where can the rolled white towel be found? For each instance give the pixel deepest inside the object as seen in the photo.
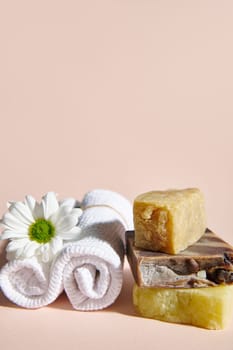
(90, 270)
(30, 278)
(29, 283)
(93, 272)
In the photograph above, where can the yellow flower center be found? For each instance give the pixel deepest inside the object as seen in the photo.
(41, 231)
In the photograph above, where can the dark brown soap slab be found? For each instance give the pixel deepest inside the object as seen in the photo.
(208, 262)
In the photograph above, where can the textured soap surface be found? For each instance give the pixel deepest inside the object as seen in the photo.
(169, 221)
(208, 262)
(209, 307)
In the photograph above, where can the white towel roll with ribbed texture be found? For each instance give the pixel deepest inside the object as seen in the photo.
(93, 273)
(31, 284)
(90, 269)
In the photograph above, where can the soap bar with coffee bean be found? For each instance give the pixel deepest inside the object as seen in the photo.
(208, 262)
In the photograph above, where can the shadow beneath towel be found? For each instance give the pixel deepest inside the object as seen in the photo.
(62, 303)
(4, 302)
(124, 303)
(2, 253)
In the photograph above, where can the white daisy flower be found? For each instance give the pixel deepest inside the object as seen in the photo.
(40, 229)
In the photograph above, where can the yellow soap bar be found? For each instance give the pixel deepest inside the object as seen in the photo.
(169, 221)
(209, 307)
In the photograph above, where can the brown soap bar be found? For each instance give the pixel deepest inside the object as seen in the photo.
(208, 262)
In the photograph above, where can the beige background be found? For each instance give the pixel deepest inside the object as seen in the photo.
(125, 95)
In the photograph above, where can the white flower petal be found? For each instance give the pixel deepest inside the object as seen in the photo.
(19, 252)
(29, 249)
(72, 234)
(18, 216)
(56, 245)
(30, 202)
(76, 211)
(70, 202)
(61, 212)
(17, 243)
(44, 252)
(66, 223)
(50, 204)
(9, 203)
(75, 230)
(10, 234)
(21, 215)
(13, 222)
(22, 212)
(38, 211)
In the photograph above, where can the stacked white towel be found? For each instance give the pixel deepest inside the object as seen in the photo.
(90, 269)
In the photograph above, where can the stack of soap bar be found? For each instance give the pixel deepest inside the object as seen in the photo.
(208, 262)
(183, 271)
(169, 221)
(194, 287)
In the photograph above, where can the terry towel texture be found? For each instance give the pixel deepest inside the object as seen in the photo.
(90, 269)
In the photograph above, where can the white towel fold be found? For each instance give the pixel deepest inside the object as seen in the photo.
(30, 284)
(90, 269)
(94, 270)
